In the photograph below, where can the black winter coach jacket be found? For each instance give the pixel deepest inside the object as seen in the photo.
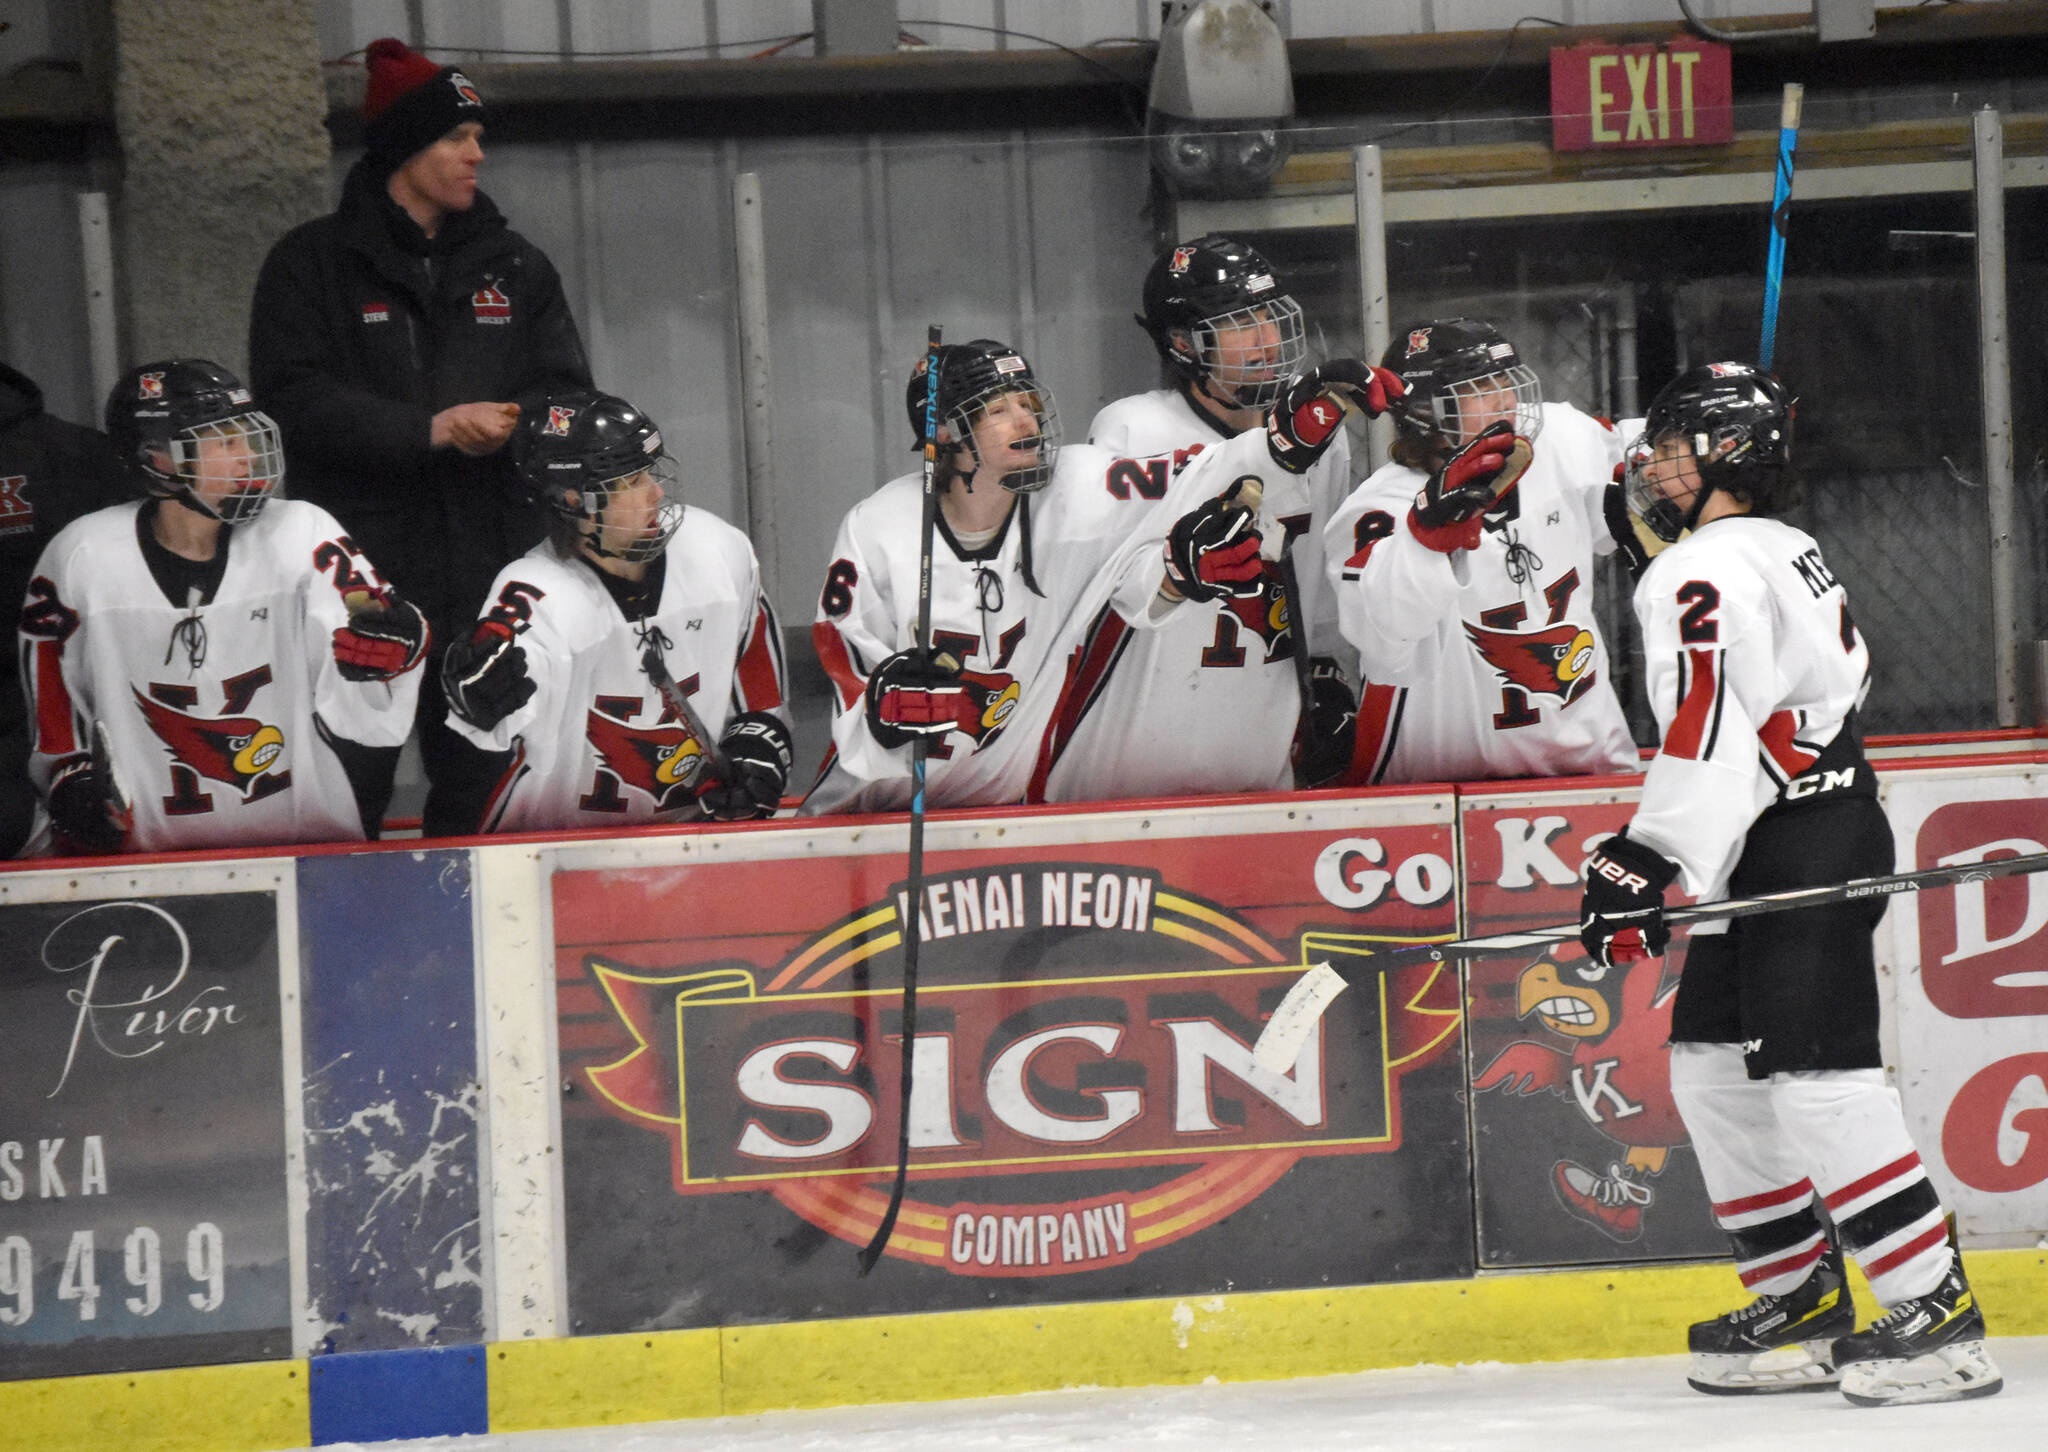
(361, 331)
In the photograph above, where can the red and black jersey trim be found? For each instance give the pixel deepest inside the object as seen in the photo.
(759, 673)
(1379, 729)
(1782, 749)
(1702, 692)
(1088, 674)
(842, 667)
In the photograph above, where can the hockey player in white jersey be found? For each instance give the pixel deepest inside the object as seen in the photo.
(1756, 671)
(1464, 574)
(1212, 700)
(211, 666)
(572, 679)
(1033, 542)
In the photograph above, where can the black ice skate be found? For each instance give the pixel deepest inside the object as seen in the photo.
(1776, 1343)
(1926, 1349)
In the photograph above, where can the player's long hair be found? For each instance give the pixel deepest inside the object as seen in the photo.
(1771, 491)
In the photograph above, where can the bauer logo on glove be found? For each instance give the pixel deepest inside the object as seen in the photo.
(1621, 918)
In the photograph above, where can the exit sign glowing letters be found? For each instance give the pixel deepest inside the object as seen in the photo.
(1612, 97)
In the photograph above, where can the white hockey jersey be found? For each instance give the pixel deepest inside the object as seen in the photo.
(1209, 701)
(1754, 664)
(227, 722)
(1095, 539)
(596, 747)
(1475, 673)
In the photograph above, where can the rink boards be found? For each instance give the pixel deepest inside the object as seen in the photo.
(552, 1131)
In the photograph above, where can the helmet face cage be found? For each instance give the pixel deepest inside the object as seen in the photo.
(1734, 421)
(1270, 346)
(1461, 410)
(1032, 477)
(1664, 517)
(237, 460)
(635, 540)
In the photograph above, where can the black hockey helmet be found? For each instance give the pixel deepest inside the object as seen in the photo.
(1449, 360)
(189, 430)
(574, 452)
(1199, 288)
(971, 376)
(1738, 423)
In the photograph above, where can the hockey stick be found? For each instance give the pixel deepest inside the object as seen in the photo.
(1292, 1022)
(913, 872)
(1781, 219)
(715, 759)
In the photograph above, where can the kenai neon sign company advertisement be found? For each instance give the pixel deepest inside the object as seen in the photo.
(1086, 1120)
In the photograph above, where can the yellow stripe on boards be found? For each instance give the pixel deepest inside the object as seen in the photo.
(251, 1407)
(1261, 1336)
(1271, 1335)
(598, 1381)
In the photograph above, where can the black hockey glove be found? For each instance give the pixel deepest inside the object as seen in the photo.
(1621, 525)
(87, 812)
(912, 694)
(1621, 917)
(760, 750)
(1213, 550)
(385, 637)
(1310, 409)
(1329, 727)
(484, 677)
(1449, 506)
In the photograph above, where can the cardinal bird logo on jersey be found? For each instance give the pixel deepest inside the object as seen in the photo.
(662, 761)
(1608, 1031)
(236, 751)
(1265, 615)
(1555, 662)
(995, 695)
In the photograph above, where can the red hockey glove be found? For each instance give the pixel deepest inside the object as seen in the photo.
(1621, 917)
(485, 677)
(760, 749)
(912, 694)
(1449, 506)
(1310, 409)
(385, 637)
(1329, 727)
(1213, 550)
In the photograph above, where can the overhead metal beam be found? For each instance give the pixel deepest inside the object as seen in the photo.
(1633, 194)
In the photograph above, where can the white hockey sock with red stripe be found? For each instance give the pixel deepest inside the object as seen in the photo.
(1851, 1131)
(1755, 1174)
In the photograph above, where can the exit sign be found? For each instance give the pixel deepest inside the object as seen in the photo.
(1612, 97)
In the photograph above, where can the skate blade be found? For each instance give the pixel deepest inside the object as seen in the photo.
(1801, 1366)
(1951, 1373)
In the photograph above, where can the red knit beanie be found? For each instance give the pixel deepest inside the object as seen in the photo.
(411, 102)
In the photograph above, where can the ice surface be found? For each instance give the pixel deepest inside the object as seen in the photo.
(1639, 1404)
